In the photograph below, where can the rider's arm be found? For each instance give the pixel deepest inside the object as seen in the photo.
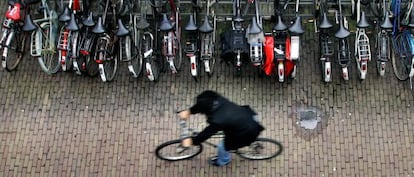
(205, 134)
(202, 136)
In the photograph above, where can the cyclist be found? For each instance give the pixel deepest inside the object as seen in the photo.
(238, 123)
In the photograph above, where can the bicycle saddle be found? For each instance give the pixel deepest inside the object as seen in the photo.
(297, 28)
(65, 15)
(72, 25)
(142, 23)
(89, 20)
(280, 26)
(325, 24)
(254, 28)
(99, 28)
(363, 22)
(191, 26)
(122, 30)
(342, 32)
(165, 23)
(206, 27)
(28, 24)
(387, 22)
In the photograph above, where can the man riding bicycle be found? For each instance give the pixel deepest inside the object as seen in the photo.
(237, 122)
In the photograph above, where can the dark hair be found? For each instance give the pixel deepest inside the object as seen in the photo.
(206, 100)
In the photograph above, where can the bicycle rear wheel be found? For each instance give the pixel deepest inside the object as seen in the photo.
(86, 60)
(47, 60)
(399, 65)
(261, 149)
(129, 52)
(173, 151)
(178, 60)
(107, 58)
(15, 50)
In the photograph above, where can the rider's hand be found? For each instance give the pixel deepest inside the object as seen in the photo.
(184, 114)
(187, 142)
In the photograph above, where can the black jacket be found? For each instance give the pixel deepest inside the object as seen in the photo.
(235, 121)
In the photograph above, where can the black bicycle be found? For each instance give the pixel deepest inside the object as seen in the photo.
(261, 149)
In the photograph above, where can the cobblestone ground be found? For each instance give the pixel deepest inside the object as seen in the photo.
(68, 125)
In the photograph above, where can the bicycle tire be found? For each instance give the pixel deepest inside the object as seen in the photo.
(91, 66)
(110, 68)
(212, 60)
(152, 65)
(47, 60)
(399, 67)
(136, 61)
(178, 59)
(175, 145)
(108, 60)
(88, 64)
(252, 152)
(111, 65)
(15, 50)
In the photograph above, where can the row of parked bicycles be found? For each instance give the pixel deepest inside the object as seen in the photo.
(94, 37)
(393, 38)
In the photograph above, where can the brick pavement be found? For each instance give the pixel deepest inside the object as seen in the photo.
(66, 125)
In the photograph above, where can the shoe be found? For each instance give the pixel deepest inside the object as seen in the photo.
(213, 161)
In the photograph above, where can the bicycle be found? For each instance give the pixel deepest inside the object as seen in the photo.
(148, 45)
(261, 149)
(326, 49)
(344, 53)
(295, 31)
(87, 42)
(382, 38)
(12, 37)
(207, 32)
(42, 31)
(170, 26)
(362, 46)
(276, 43)
(403, 44)
(255, 38)
(192, 44)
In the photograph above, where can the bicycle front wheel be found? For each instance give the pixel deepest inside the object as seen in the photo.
(174, 151)
(15, 50)
(261, 149)
(47, 60)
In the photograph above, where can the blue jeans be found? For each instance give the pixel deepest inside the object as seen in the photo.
(223, 156)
